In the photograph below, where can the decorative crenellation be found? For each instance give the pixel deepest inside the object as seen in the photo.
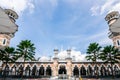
(112, 17)
(12, 14)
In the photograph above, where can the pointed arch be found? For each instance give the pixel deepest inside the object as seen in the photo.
(20, 70)
(41, 70)
(34, 70)
(27, 70)
(116, 69)
(82, 70)
(103, 70)
(8, 65)
(28, 65)
(19, 65)
(62, 70)
(14, 69)
(6, 70)
(48, 71)
(96, 70)
(34, 65)
(89, 70)
(76, 71)
(109, 72)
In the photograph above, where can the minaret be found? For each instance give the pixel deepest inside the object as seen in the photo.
(55, 54)
(9, 27)
(69, 54)
(113, 20)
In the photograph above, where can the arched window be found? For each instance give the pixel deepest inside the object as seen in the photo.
(48, 71)
(76, 71)
(83, 70)
(41, 71)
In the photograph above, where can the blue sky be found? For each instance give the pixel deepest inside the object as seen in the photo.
(61, 24)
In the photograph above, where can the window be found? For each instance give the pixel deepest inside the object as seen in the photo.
(118, 42)
(4, 41)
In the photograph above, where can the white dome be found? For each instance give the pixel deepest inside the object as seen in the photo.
(77, 55)
(44, 58)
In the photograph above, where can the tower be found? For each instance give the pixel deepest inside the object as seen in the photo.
(113, 20)
(7, 26)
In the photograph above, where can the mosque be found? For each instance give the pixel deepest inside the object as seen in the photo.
(63, 62)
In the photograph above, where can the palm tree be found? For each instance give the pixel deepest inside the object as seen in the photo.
(110, 54)
(7, 54)
(93, 53)
(26, 50)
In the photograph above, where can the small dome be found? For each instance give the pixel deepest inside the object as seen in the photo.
(44, 58)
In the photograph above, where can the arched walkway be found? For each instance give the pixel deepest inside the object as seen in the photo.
(62, 70)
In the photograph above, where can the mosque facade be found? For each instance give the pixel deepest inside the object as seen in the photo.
(70, 64)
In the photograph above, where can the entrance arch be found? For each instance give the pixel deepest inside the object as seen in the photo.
(62, 70)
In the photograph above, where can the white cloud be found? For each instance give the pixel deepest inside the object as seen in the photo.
(101, 38)
(95, 10)
(105, 41)
(108, 6)
(18, 5)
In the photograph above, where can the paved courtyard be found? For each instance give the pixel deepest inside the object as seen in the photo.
(63, 79)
